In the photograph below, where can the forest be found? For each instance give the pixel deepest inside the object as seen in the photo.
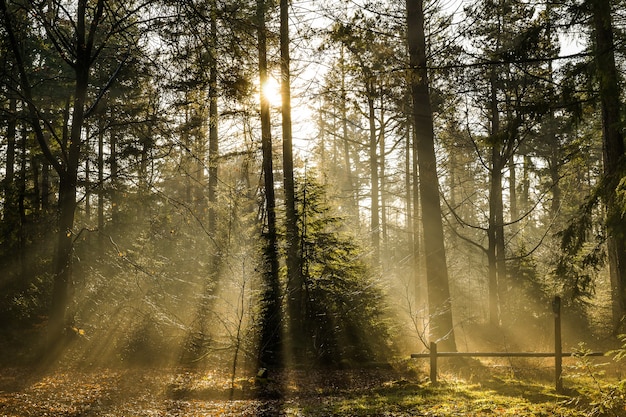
(212, 201)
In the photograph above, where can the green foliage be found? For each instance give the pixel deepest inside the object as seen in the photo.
(582, 251)
(620, 354)
(346, 315)
(602, 398)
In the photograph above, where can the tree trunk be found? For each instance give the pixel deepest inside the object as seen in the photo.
(45, 187)
(554, 158)
(495, 195)
(495, 232)
(10, 205)
(114, 178)
(554, 163)
(213, 132)
(67, 168)
(20, 216)
(514, 211)
(87, 177)
(420, 283)
(295, 284)
(100, 181)
(270, 349)
(67, 190)
(439, 303)
(613, 146)
(381, 147)
(35, 196)
(350, 186)
(373, 154)
(408, 187)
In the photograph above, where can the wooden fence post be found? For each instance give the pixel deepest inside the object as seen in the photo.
(558, 352)
(433, 363)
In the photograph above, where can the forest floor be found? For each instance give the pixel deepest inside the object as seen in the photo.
(371, 392)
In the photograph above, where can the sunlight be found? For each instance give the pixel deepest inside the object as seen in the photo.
(271, 91)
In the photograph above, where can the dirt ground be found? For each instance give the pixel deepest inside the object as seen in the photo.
(179, 392)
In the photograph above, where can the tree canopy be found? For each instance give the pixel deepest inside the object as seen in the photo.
(426, 172)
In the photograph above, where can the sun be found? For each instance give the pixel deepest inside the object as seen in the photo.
(271, 90)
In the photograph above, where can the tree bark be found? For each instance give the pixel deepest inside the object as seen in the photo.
(213, 136)
(382, 173)
(419, 280)
(374, 188)
(114, 178)
(514, 210)
(68, 179)
(350, 186)
(439, 303)
(495, 232)
(613, 147)
(10, 210)
(295, 281)
(270, 349)
(100, 180)
(408, 186)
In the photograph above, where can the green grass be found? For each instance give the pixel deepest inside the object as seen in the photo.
(309, 393)
(495, 397)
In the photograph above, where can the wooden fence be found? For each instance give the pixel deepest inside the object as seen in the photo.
(558, 353)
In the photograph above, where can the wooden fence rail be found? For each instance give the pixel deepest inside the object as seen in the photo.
(558, 354)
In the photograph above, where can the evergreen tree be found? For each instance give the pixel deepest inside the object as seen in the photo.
(347, 318)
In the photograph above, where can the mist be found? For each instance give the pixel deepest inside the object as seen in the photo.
(266, 208)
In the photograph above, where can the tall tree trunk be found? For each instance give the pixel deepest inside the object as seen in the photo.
(45, 187)
(420, 283)
(381, 147)
(514, 210)
(87, 177)
(495, 228)
(374, 188)
(12, 226)
(10, 205)
(35, 196)
(114, 192)
(101, 180)
(20, 216)
(213, 131)
(67, 188)
(350, 186)
(408, 186)
(271, 320)
(613, 141)
(554, 154)
(439, 303)
(295, 282)
(554, 164)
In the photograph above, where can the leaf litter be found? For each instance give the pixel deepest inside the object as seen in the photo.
(191, 392)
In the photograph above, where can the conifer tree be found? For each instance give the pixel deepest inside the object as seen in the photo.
(439, 302)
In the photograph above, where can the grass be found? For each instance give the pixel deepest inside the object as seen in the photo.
(306, 393)
(451, 398)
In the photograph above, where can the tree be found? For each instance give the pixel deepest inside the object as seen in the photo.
(510, 85)
(357, 37)
(346, 315)
(271, 317)
(79, 36)
(439, 302)
(295, 290)
(613, 146)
